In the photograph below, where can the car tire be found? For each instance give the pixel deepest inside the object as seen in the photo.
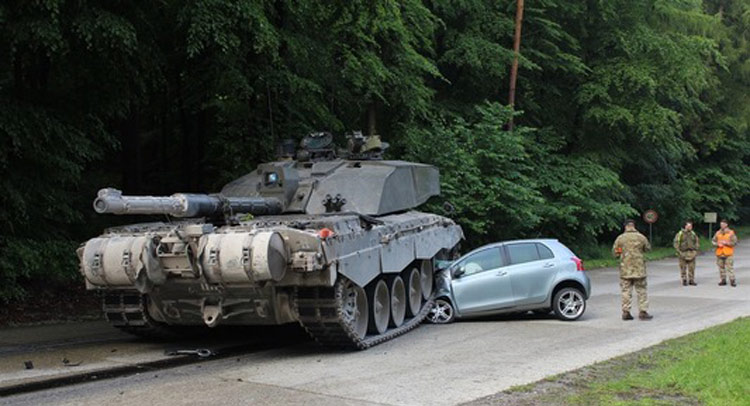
(442, 312)
(569, 304)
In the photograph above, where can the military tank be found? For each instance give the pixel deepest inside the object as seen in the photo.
(322, 237)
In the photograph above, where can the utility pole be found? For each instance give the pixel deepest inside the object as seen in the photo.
(514, 66)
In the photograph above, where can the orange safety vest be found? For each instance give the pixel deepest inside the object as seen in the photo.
(726, 250)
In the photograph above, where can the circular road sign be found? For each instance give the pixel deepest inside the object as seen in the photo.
(650, 216)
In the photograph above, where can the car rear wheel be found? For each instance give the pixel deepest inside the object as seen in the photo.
(442, 312)
(569, 304)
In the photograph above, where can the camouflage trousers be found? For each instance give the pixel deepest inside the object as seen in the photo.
(626, 289)
(726, 266)
(687, 269)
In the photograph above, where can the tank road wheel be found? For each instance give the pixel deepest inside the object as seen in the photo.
(380, 306)
(398, 301)
(413, 292)
(354, 309)
(426, 277)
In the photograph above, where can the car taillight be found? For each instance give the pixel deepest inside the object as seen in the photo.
(579, 263)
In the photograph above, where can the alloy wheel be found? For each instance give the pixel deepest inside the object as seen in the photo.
(442, 312)
(569, 304)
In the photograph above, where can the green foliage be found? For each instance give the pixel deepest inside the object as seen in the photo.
(622, 106)
(50, 133)
(510, 184)
(486, 172)
(583, 199)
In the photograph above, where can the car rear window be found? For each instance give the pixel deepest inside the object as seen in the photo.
(544, 251)
(524, 252)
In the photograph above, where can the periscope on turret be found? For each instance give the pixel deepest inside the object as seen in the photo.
(323, 237)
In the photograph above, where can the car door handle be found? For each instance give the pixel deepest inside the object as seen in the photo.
(502, 273)
(549, 265)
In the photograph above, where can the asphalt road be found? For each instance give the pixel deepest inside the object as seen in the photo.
(435, 365)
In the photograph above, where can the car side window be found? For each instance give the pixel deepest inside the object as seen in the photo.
(481, 261)
(523, 252)
(544, 251)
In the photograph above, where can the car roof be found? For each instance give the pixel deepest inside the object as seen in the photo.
(553, 242)
(496, 244)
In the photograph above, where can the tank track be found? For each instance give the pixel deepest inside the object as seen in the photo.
(320, 313)
(127, 311)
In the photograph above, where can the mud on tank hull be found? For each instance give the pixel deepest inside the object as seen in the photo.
(350, 280)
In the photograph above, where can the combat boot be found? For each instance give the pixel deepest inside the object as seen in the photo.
(692, 283)
(626, 315)
(644, 316)
(684, 282)
(733, 283)
(723, 282)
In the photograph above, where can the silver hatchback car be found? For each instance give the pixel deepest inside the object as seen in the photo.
(540, 275)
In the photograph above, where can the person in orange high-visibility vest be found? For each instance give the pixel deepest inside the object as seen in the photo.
(725, 240)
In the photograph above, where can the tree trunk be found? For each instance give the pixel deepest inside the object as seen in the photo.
(371, 119)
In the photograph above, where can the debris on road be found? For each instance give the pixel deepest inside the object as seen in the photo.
(67, 363)
(200, 352)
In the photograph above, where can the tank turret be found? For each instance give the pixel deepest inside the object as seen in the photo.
(318, 183)
(372, 188)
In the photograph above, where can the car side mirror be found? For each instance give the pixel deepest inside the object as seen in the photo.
(457, 272)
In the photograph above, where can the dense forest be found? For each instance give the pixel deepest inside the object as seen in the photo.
(621, 106)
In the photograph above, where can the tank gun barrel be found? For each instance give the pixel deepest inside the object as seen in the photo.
(183, 204)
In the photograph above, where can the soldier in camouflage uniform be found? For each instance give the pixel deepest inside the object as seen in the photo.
(630, 247)
(687, 244)
(725, 240)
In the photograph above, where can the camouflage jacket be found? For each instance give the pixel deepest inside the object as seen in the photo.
(630, 247)
(685, 241)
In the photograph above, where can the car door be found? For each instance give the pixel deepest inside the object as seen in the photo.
(532, 269)
(484, 284)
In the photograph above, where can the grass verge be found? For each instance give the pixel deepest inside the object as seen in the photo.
(602, 257)
(710, 367)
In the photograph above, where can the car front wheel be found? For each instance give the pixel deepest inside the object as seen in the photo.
(569, 304)
(442, 312)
